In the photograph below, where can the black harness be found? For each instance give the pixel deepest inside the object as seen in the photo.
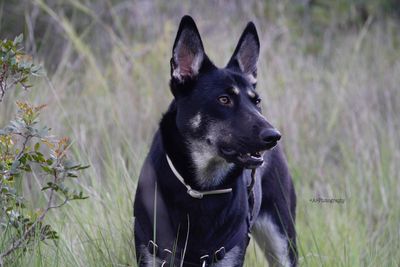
(216, 254)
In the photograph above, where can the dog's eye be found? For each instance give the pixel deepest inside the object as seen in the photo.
(224, 100)
(258, 102)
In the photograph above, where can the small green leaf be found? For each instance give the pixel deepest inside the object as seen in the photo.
(47, 169)
(82, 167)
(72, 175)
(18, 39)
(14, 167)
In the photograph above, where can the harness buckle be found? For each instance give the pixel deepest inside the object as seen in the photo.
(152, 247)
(204, 260)
(194, 193)
(219, 254)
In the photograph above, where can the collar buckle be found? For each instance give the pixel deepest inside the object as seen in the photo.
(191, 192)
(195, 194)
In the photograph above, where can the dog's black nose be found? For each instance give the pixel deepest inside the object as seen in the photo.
(270, 135)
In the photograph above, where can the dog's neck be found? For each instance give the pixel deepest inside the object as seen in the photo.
(199, 168)
(210, 169)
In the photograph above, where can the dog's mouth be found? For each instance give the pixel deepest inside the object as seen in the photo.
(246, 159)
(249, 160)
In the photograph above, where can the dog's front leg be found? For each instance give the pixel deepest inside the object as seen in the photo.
(275, 245)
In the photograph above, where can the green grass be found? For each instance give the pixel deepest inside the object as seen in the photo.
(338, 110)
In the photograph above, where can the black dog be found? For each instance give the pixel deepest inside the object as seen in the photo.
(214, 173)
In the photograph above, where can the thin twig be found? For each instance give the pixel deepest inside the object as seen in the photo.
(3, 81)
(27, 138)
(60, 205)
(20, 242)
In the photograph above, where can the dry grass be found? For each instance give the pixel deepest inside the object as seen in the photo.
(338, 110)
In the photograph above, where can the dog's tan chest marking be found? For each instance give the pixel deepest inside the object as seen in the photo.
(196, 121)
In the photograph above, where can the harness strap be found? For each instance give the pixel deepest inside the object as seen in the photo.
(191, 192)
(252, 182)
(251, 200)
(219, 254)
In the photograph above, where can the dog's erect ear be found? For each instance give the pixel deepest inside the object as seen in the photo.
(188, 51)
(246, 53)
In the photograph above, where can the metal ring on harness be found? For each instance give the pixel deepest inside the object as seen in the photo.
(203, 260)
(219, 254)
(152, 247)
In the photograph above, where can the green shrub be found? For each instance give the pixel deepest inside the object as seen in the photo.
(26, 147)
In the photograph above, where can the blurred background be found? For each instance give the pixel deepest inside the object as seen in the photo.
(329, 76)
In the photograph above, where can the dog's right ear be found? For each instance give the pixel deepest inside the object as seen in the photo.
(246, 53)
(188, 51)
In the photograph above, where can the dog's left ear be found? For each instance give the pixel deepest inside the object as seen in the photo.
(188, 51)
(246, 53)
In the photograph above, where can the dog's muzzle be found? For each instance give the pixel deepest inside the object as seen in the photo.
(268, 138)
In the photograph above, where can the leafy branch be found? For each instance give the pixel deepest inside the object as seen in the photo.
(16, 67)
(26, 147)
(16, 161)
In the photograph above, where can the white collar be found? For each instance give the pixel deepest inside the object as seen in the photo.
(194, 193)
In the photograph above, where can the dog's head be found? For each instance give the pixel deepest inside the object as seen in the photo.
(218, 109)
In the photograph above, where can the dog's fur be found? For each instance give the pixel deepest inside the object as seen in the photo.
(211, 125)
